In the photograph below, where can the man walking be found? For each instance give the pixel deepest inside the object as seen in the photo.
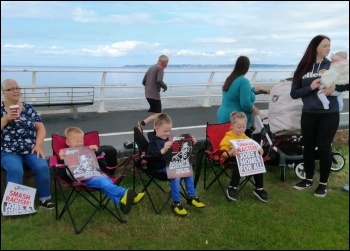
(153, 82)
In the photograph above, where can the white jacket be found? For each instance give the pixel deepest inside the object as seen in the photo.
(338, 74)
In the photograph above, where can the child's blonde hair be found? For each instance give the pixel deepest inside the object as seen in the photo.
(162, 118)
(72, 130)
(236, 116)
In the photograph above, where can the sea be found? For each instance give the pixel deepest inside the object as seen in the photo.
(133, 74)
(125, 82)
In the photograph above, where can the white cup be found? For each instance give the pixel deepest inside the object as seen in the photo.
(16, 109)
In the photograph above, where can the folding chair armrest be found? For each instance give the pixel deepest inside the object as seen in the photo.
(53, 162)
(219, 152)
(60, 166)
(111, 167)
(117, 179)
(215, 154)
(266, 158)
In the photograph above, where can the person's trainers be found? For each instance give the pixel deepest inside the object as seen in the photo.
(178, 209)
(47, 204)
(321, 191)
(262, 195)
(127, 200)
(138, 197)
(141, 125)
(346, 188)
(303, 184)
(231, 193)
(195, 202)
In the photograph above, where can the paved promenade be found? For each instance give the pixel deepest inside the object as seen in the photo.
(115, 127)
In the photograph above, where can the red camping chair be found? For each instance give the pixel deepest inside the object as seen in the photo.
(76, 189)
(213, 161)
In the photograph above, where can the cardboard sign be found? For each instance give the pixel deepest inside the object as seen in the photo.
(249, 160)
(82, 163)
(179, 162)
(18, 200)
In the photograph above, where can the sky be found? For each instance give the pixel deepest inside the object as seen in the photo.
(118, 33)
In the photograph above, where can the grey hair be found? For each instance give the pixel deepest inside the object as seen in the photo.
(5, 82)
(163, 58)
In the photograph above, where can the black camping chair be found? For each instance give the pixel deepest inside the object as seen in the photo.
(150, 177)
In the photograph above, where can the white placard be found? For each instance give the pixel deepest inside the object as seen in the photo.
(18, 200)
(249, 160)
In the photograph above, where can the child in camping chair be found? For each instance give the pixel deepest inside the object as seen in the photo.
(118, 195)
(238, 127)
(159, 145)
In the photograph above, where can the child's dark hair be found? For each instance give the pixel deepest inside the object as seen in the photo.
(236, 116)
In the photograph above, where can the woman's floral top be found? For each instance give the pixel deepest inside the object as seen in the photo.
(20, 137)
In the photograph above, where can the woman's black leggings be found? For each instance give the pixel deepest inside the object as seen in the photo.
(318, 130)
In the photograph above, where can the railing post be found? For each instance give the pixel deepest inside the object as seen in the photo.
(33, 86)
(102, 93)
(207, 91)
(252, 81)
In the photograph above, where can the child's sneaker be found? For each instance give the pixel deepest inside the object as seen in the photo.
(47, 204)
(195, 202)
(178, 209)
(231, 193)
(303, 184)
(262, 195)
(321, 191)
(138, 197)
(127, 200)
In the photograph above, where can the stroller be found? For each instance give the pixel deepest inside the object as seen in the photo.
(279, 133)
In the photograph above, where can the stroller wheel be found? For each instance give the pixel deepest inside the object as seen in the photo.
(299, 171)
(338, 162)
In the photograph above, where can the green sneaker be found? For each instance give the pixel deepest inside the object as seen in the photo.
(195, 202)
(127, 200)
(138, 197)
(178, 209)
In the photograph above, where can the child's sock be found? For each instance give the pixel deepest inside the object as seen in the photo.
(326, 105)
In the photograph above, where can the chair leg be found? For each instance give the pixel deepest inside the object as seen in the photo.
(217, 175)
(244, 182)
(98, 203)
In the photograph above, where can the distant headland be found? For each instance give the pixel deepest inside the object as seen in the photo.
(191, 66)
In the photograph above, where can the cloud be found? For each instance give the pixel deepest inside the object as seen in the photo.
(91, 16)
(18, 46)
(271, 32)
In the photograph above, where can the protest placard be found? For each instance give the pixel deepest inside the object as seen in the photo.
(249, 160)
(18, 200)
(179, 162)
(82, 163)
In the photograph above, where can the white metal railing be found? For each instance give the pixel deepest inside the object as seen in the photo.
(125, 85)
(205, 84)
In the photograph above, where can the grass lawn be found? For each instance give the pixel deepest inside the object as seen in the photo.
(291, 220)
